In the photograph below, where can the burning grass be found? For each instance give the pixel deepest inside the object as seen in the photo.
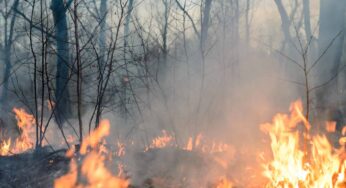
(298, 159)
(93, 169)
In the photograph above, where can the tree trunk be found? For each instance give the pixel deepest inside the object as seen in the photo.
(102, 64)
(307, 24)
(8, 51)
(62, 101)
(165, 32)
(331, 24)
(125, 78)
(102, 36)
(247, 21)
(285, 22)
(205, 24)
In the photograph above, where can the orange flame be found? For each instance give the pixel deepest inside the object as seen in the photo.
(98, 175)
(5, 147)
(161, 141)
(69, 180)
(24, 142)
(93, 167)
(25, 123)
(94, 138)
(330, 126)
(289, 167)
(224, 183)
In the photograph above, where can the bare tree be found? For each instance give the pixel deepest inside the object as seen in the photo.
(331, 21)
(10, 17)
(63, 109)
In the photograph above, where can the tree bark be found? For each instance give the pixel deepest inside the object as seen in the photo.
(8, 51)
(285, 21)
(331, 23)
(307, 23)
(205, 24)
(62, 101)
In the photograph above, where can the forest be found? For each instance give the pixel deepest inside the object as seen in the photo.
(173, 93)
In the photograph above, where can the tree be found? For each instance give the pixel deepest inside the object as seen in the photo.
(285, 22)
(331, 19)
(9, 24)
(63, 109)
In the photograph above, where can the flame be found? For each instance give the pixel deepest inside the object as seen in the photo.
(161, 141)
(189, 145)
(69, 180)
(121, 149)
(94, 138)
(224, 183)
(23, 118)
(5, 147)
(319, 166)
(330, 126)
(206, 146)
(25, 123)
(93, 167)
(24, 142)
(98, 175)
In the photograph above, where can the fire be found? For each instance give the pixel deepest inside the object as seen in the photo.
(224, 183)
(69, 180)
(161, 141)
(191, 144)
(198, 144)
(330, 126)
(319, 165)
(98, 175)
(5, 147)
(121, 149)
(25, 124)
(206, 146)
(94, 138)
(93, 166)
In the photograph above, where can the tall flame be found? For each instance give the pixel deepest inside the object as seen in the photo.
(25, 140)
(292, 166)
(93, 167)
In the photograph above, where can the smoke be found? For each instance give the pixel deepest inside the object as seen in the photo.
(223, 93)
(238, 94)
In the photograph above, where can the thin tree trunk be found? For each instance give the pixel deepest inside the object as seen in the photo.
(307, 24)
(205, 24)
(79, 72)
(102, 64)
(125, 78)
(165, 32)
(247, 20)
